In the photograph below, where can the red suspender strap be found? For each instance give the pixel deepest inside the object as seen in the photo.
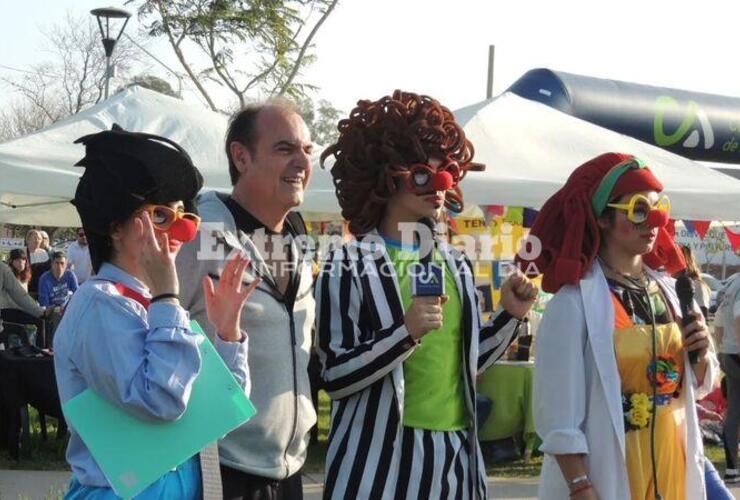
(132, 294)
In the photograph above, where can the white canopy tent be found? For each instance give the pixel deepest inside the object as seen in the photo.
(38, 176)
(529, 149)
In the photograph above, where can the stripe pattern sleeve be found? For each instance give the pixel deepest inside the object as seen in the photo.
(361, 337)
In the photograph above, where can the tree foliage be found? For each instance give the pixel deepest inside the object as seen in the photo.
(254, 48)
(71, 80)
(321, 119)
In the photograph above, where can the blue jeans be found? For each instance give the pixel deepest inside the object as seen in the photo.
(182, 483)
(716, 489)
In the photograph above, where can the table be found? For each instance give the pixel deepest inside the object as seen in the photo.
(20, 318)
(509, 384)
(25, 381)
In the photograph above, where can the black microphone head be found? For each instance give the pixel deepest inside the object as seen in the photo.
(430, 282)
(685, 289)
(426, 240)
(685, 292)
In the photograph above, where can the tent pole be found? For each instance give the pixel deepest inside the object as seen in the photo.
(107, 75)
(489, 84)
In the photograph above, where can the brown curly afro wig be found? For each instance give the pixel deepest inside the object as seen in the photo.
(378, 142)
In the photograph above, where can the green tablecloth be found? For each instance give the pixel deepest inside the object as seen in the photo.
(509, 384)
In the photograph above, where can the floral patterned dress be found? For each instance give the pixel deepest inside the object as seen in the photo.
(639, 372)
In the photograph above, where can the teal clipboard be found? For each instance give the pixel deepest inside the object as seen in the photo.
(134, 453)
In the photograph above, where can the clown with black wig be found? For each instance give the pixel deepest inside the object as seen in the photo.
(401, 369)
(124, 334)
(615, 390)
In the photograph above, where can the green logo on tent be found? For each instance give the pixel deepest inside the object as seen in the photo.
(686, 130)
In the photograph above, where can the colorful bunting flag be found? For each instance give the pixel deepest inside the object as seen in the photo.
(495, 209)
(530, 214)
(734, 239)
(698, 227)
(702, 227)
(491, 211)
(515, 215)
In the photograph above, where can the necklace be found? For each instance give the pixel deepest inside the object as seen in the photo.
(642, 281)
(635, 290)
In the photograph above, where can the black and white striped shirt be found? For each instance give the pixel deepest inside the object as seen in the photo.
(363, 342)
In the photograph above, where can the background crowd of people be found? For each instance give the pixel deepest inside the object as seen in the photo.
(44, 278)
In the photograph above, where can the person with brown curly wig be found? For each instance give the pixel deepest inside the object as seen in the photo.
(403, 409)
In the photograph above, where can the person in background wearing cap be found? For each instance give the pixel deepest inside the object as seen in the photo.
(614, 389)
(124, 334)
(18, 262)
(268, 147)
(401, 369)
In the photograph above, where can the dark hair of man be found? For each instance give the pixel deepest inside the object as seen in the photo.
(243, 129)
(58, 256)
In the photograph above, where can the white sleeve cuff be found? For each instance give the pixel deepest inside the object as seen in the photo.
(564, 442)
(711, 375)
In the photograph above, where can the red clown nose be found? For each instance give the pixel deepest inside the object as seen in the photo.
(442, 181)
(657, 218)
(183, 230)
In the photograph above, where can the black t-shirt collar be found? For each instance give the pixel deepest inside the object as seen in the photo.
(244, 220)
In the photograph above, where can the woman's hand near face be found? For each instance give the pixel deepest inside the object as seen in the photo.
(155, 259)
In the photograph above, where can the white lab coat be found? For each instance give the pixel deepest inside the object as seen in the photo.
(577, 392)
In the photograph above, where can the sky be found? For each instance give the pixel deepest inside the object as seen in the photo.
(366, 49)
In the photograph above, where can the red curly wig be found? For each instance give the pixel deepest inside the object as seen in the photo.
(378, 142)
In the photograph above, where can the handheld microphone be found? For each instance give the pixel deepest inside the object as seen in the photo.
(428, 281)
(685, 292)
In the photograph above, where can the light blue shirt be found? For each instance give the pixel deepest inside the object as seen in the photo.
(143, 360)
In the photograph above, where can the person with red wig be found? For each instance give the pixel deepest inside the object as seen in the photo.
(615, 390)
(401, 368)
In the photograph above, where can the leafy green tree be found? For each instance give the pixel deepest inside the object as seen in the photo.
(72, 79)
(321, 118)
(254, 48)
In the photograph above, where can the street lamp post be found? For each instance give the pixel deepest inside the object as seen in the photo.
(104, 16)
